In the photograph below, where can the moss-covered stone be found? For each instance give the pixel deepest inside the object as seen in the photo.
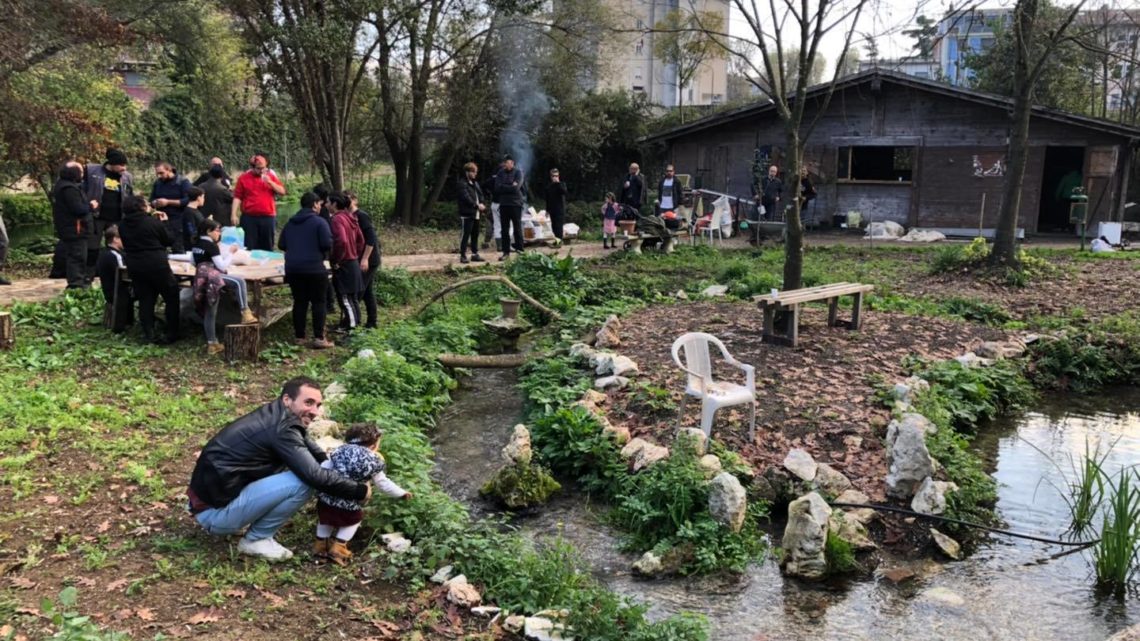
(519, 486)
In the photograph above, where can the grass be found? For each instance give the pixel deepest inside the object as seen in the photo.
(1115, 557)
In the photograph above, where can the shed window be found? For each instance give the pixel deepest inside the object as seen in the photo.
(876, 164)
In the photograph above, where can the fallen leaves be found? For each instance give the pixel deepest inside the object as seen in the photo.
(274, 600)
(119, 584)
(212, 615)
(22, 583)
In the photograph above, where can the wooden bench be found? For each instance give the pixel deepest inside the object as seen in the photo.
(791, 300)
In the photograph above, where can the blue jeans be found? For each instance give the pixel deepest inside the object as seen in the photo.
(263, 505)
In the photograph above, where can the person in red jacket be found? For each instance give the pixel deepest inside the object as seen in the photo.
(254, 196)
(348, 246)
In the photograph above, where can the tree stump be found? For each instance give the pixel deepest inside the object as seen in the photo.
(7, 331)
(242, 342)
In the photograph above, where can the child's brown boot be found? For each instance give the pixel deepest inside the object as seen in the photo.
(321, 548)
(339, 552)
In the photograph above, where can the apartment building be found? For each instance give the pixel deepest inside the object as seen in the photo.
(628, 62)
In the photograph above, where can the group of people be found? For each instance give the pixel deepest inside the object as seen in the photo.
(97, 202)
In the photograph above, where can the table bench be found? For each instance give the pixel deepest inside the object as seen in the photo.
(790, 301)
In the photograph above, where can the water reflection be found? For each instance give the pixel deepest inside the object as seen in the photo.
(1002, 592)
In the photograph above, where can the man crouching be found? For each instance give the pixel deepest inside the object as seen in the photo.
(263, 467)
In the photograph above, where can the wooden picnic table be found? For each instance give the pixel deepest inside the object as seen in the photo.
(790, 301)
(258, 278)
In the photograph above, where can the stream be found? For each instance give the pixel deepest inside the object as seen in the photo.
(1002, 592)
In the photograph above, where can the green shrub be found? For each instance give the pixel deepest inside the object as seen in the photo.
(960, 397)
(1082, 363)
(976, 495)
(571, 442)
(975, 310)
(588, 216)
(70, 625)
(947, 258)
(25, 209)
(395, 287)
(558, 283)
(552, 383)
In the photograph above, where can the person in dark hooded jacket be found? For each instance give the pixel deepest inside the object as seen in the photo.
(306, 239)
(145, 240)
(71, 215)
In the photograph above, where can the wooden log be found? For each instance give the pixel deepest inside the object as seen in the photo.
(7, 331)
(242, 342)
(489, 361)
(498, 279)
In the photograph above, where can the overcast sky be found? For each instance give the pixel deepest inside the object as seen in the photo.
(883, 20)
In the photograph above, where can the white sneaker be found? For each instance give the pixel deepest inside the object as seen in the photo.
(265, 548)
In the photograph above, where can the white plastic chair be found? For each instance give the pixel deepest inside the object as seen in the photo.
(699, 383)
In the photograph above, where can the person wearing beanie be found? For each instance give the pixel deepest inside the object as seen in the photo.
(71, 214)
(105, 186)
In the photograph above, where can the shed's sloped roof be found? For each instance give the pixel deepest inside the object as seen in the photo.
(870, 77)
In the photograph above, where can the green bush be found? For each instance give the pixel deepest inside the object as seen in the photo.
(960, 397)
(587, 215)
(1081, 363)
(571, 442)
(558, 283)
(25, 209)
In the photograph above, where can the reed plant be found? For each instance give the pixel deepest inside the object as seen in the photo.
(1115, 556)
(1086, 492)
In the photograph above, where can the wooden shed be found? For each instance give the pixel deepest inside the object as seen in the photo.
(918, 152)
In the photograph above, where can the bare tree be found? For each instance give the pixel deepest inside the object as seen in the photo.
(1032, 50)
(682, 40)
(782, 30)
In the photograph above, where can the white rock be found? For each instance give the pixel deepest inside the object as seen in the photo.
(609, 334)
(600, 359)
(695, 437)
(713, 291)
(462, 593)
(328, 443)
(800, 463)
(593, 398)
(680, 294)
(486, 610)
(396, 542)
(641, 453)
(648, 565)
(606, 382)
(949, 546)
(620, 435)
(443, 574)
(320, 427)
(931, 496)
(862, 515)
(710, 465)
(997, 350)
(728, 502)
(831, 480)
(624, 365)
(543, 629)
(518, 450)
(335, 392)
(908, 460)
(366, 353)
(901, 392)
(582, 351)
(917, 384)
(514, 623)
(943, 596)
(805, 537)
(848, 528)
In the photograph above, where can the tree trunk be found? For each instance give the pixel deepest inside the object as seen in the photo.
(401, 206)
(1005, 237)
(441, 174)
(793, 226)
(7, 331)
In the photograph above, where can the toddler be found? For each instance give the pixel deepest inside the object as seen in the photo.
(610, 212)
(359, 460)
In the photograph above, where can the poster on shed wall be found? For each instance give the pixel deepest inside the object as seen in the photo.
(989, 164)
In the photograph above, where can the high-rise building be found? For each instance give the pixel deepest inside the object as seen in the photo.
(627, 60)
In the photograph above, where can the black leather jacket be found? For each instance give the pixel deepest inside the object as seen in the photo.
(264, 442)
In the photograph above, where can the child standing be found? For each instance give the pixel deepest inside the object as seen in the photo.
(109, 269)
(610, 213)
(337, 518)
(209, 279)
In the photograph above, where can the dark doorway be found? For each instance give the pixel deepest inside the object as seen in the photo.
(1064, 167)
